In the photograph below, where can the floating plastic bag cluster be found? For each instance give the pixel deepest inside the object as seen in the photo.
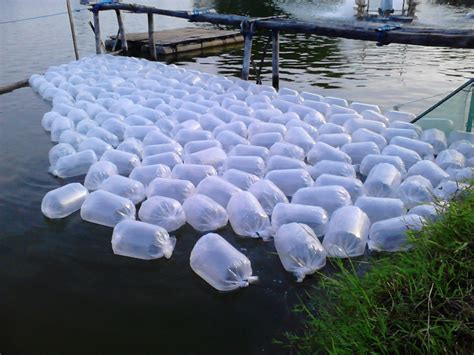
(180, 146)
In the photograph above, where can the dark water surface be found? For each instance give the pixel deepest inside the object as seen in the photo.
(61, 288)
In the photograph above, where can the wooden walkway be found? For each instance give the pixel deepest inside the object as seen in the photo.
(178, 40)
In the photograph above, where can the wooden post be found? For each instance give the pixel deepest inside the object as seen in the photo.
(248, 36)
(151, 39)
(73, 31)
(98, 48)
(123, 38)
(275, 59)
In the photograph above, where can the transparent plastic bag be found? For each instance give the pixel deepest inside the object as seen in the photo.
(409, 157)
(240, 179)
(380, 208)
(58, 151)
(436, 138)
(268, 195)
(364, 135)
(248, 164)
(218, 189)
(298, 136)
(132, 145)
(322, 151)
(314, 217)
(347, 233)
(106, 208)
(338, 168)
(193, 172)
(98, 172)
(415, 190)
(390, 234)
(220, 264)
(125, 187)
(422, 148)
(358, 151)
(176, 189)
(164, 212)
(169, 159)
(64, 200)
(428, 170)
(278, 162)
(59, 125)
(96, 144)
(154, 149)
(196, 146)
(141, 240)
(71, 137)
(290, 180)
(354, 186)
(74, 164)
(382, 181)
(124, 161)
(247, 217)
(299, 250)
(212, 156)
(330, 198)
(450, 159)
(429, 212)
(288, 150)
(372, 160)
(204, 214)
(146, 174)
(249, 150)
(335, 139)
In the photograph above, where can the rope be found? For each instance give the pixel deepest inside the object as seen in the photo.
(38, 17)
(396, 107)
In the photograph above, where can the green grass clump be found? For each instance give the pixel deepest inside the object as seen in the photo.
(419, 301)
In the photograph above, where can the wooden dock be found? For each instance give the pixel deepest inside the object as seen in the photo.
(176, 41)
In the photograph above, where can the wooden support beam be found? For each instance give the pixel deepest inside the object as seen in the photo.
(247, 28)
(13, 86)
(73, 31)
(98, 47)
(123, 38)
(276, 59)
(151, 39)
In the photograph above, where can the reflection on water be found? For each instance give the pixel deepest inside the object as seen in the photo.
(62, 289)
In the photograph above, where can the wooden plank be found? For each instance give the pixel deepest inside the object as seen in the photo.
(123, 38)
(98, 47)
(13, 86)
(275, 59)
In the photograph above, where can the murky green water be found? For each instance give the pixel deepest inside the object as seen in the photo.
(61, 288)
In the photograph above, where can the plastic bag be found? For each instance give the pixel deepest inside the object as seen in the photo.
(268, 195)
(217, 189)
(364, 135)
(146, 174)
(428, 170)
(265, 127)
(204, 214)
(380, 208)
(429, 212)
(331, 128)
(347, 233)
(278, 162)
(220, 264)
(415, 190)
(354, 124)
(382, 181)
(59, 125)
(288, 150)
(299, 250)
(354, 186)
(372, 160)
(390, 133)
(248, 164)
(179, 190)
(141, 240)
(196, 146)
(125, 187)
(290, 180)
(154, 149)
(96, 144)
(103, 134)
(97, 173)
(450, 159)
(125, 162)
(58, 151)
(169, 159)
(409, 157)
(230, 139)
(322, 151)
(132, 145)
(266, 139)
(358, 151)
(314, 217)
(249, 150)
(63, 201)
(247, 217)
(71, 137)
(338, 168)
(240, 179)
(193, 172)
(74, 164)
(464, 147)
(155, 137)
(164, 212)
(335, 139)
(447, 190)
(390, 234)
(237, 127)
(118, 127)
(422, 148)
(330, 198)
(212, 156)
(298, 136)
(106, 208)
(436, 138)
(185, 135)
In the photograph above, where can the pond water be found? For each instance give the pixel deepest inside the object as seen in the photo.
(62, 289)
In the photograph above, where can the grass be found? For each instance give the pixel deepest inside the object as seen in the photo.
(419, 301)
